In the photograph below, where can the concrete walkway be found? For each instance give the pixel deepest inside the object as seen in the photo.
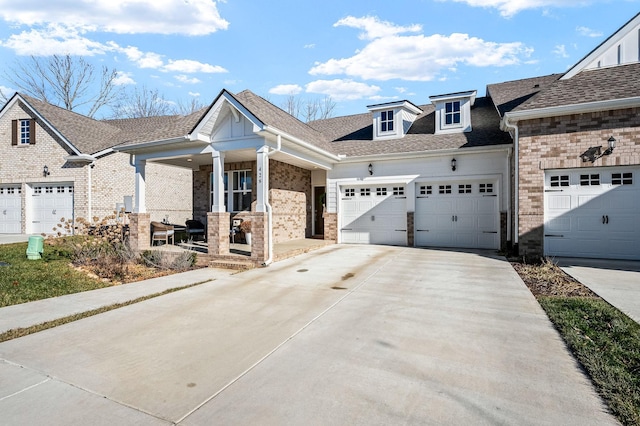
(13, 238)
(345, 335)
(616, 281)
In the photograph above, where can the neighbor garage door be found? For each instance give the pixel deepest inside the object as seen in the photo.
(593, 213)
(373, 214)
(457, 214)
(10, 209)
(51, 204)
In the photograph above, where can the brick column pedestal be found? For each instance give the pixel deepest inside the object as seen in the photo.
(331, 227)
(218, 227)
(259, 237)
(140, 231)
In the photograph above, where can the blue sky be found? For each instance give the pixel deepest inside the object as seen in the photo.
(358, 52)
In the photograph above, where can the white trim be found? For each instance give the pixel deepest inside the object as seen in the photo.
(424, 154)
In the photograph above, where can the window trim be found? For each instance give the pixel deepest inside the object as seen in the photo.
(19, 128)
(452, 113)
(228, 175)
(387, 125)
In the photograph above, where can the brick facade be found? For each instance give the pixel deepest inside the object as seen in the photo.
(331, 226)
(557, 143)
(112, 177)
(140, 231)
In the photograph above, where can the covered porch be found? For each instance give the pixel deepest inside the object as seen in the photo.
(244, 171)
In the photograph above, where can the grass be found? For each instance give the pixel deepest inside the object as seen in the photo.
(28, 280)
(607, 344)
(602, 339)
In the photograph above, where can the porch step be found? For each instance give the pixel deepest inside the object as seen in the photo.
(238, 265)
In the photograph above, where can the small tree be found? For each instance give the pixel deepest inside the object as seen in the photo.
(143, 102)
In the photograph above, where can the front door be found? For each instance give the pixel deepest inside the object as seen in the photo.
(319, 203)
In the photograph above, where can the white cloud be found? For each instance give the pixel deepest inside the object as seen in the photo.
(142, 59)
(188, 80)
(309, 46)
(123, 78)
(588, 32)
(189, 66)
(194, 94)
(190, 17)
(561, 51)
(342, 89)
(422, 58)
(375, 28)
(54, 39)
(509, 8)
(286, 89)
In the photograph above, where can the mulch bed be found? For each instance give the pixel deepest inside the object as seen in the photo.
(547, 279)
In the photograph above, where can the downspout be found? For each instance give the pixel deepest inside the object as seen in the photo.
(516, 168)
(268, 205)
(90, 192)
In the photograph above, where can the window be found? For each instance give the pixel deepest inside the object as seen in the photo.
(37, 190)
(381, 191)
(48, 189)
(349, 192)
(426, 190)
(452, 113)
(386, 121)
(559, 180)
(622, 178)
(398, 190)
(464, 189)
(365, 192)
(239, 193)
(486, 188)
(444, 189)
(590, 180)
(60, 189)
(23, 132)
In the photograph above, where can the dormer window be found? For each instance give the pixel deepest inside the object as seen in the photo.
(386, 121)
(453, 111)
(392, 120)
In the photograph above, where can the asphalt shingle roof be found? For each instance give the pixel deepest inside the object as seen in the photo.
(353, 135)
(507, 96)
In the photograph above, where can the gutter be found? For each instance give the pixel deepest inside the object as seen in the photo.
(419, 154)
(516, 172)
(302, 143)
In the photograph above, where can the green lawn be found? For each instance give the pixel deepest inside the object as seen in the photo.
(607, 344)
(28, 280)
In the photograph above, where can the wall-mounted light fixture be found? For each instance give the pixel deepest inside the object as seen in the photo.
(595, 152)
(45, 171)
(453, 164)
(370, 168)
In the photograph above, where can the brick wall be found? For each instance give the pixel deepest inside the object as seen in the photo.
(557, 143)
(289, 196)
(331, 226)
(410, 226)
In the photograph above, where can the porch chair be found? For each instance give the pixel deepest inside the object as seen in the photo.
(195, 228)
(161, 232)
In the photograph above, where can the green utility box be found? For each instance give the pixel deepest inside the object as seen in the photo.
(35, 247)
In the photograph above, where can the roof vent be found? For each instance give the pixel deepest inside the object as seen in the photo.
(536, 86)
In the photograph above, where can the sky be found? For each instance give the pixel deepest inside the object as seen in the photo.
(358, 52)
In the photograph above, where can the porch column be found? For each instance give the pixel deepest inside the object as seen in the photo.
(262, 178)
(141, 187)
(217, 204)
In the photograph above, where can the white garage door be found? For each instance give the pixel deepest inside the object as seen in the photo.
(51, 203)
(457, 214)
(373, 214)
(593, 213)
(10, 209)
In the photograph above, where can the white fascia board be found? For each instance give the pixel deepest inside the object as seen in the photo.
(399, 104)
(514, 116)
(471, 94)
(425, 154)
(236, 108)
(603, 47)
(81, 158)
(302, 143)
(17, 97)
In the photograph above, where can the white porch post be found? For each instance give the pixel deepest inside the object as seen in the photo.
(217, 204)
(141, 187)
(262, 177)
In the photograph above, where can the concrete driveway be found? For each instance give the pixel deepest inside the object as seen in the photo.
(345, 335)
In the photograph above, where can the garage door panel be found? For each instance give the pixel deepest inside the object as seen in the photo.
(50, 204)
(604, 215)
(10, 209)
(373, 215)
(460, 218)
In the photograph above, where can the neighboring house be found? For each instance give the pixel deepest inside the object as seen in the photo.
(57, 164)
(577, 142)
